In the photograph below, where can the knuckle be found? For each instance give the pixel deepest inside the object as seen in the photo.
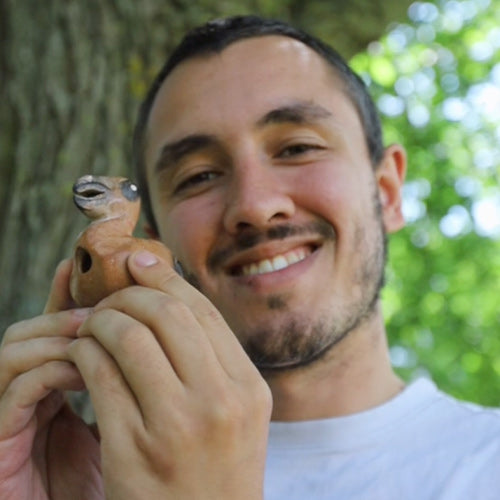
(11, 390)
(11, 366)
(7, 360)
(97, 370)
(174, 308)
(18, 383)
(164, 303)
(227, 411)
(119, 296)
(264, 401)
(106, 374)
(158, 457)
(212, 315)
(262, 392)
(166, 278)
(246, 406)
(127, 340)
(6, 354)
(12, 332)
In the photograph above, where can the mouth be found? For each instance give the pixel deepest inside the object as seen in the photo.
(272, 264)
(88, 194)
(89, 190)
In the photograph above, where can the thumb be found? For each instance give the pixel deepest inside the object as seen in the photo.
(154, 271)
(150, 270)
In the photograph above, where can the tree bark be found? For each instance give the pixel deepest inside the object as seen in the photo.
(72, 76)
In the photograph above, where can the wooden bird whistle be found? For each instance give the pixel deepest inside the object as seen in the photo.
(102, 249)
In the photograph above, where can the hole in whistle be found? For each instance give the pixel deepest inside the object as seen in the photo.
(83, 260)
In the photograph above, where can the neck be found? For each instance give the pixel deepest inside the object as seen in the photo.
(355, 375)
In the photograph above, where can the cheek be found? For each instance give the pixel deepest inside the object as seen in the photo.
(324, 191)
(188, 230)
(340, 196)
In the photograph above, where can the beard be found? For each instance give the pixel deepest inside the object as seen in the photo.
(299, 340)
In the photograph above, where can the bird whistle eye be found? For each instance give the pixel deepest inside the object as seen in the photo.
(129, 190)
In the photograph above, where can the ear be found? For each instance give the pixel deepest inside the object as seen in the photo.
(151, 231)
(390, 175)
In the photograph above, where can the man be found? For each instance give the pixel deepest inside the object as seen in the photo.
(264, 173)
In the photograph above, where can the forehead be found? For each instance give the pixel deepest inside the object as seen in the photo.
(240, 84)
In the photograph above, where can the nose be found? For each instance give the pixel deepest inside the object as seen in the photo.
(257, 197)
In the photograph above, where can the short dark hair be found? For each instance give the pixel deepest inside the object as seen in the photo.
(215, 36)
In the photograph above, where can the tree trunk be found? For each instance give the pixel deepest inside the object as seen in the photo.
(72, 75)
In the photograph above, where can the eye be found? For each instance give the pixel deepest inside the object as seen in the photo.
(298, 149)
(196, 180)
(129, 190)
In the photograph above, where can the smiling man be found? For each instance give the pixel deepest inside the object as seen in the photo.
(263, 195)
(263, 187)
(262, 168)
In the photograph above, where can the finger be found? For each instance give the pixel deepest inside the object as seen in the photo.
(137, 354)
(20, 357)
(175, 328)
(115, 405)
(59, 296)
(63, 323)
(150, 271)
(18, 403)
(49, 406)
(33, 342)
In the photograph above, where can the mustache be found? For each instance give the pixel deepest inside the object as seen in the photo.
(252, 237)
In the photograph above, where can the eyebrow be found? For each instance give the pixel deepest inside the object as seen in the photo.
(174, 152)
(301, 112)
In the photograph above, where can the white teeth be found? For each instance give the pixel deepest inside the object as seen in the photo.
(274, 264)
(265, 266)
(279, 263)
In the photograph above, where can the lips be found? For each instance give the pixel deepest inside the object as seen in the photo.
(272, 264)
(87, 192)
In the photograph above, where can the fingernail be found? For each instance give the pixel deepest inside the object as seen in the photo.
(145, 259)
(83, 313)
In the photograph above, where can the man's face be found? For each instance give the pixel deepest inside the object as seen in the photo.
(263, 189)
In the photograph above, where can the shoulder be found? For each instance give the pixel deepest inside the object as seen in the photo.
(447, 418)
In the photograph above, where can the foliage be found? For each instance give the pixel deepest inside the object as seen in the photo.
(436, 80)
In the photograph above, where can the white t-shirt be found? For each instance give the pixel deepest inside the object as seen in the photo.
(421, 445)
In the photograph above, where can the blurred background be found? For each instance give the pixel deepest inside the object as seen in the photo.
(73, 73)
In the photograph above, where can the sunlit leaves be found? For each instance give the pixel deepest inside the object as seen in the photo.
(382, 70)
(436, 81)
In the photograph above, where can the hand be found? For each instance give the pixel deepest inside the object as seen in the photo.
(45, 450)
(182, 412)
